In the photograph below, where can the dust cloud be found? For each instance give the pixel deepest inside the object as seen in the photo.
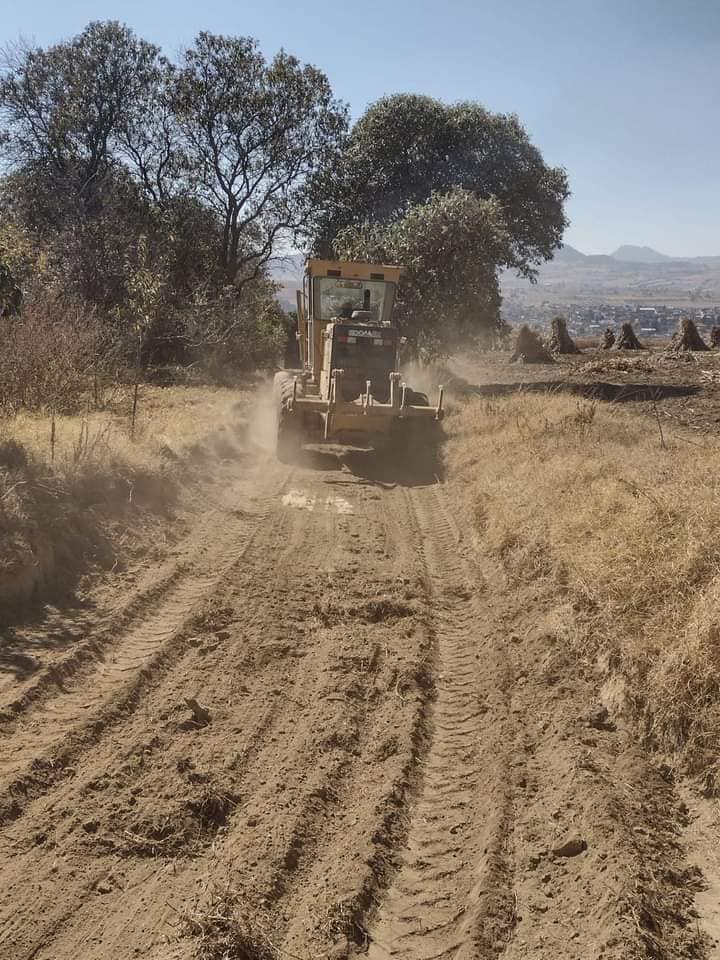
(262, 415)
(422, 377)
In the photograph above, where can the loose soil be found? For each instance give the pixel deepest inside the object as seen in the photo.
(681, 389)
(320, 724)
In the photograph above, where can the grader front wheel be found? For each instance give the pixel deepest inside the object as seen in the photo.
(288, 435)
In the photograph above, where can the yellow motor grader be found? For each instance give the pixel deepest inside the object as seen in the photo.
(348, 389)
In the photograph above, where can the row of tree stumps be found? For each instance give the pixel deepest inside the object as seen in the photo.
(530, 347)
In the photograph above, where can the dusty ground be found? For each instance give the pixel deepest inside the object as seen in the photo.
(683, 390)
(387, 751)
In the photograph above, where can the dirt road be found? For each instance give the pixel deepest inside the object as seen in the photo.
(386, 751)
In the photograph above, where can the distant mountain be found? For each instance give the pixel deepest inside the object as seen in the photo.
(568, 254)
(287, 271)
(602, 259)
(571, 256)
(631, 254)
(287, 266)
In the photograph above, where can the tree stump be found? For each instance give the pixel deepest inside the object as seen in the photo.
(529, 348)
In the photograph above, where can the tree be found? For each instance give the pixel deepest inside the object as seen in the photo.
(255, 135)
(407, 147)
(450, 247)
(18, 260)
(148, 139)
(62, 107)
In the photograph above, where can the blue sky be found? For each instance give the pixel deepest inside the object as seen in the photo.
(625, 95)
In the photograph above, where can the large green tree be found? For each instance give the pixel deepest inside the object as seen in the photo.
(450, 247)
(61, 110)
(453, 192)
(407, 147)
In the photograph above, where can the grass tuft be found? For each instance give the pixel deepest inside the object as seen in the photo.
(222, 931)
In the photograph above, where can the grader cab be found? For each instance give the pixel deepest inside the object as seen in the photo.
(348, 389)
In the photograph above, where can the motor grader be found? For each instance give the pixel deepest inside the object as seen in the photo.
(348, 389)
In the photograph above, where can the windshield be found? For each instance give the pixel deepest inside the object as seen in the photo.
(338, 297)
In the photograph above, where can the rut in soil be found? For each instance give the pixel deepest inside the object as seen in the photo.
(425, 913)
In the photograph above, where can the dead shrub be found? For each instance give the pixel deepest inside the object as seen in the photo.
(52, 354)
(13, 455)
(212, 808)
(222, 931)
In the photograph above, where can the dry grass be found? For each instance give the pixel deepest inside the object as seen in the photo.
(222, 930)
(625, 533)
(170, 421)
(65, 480)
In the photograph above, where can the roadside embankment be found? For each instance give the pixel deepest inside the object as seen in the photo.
(620, 527)
(79, 492)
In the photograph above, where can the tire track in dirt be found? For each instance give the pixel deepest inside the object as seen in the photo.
(394, 751)
(453, 855)
(296, 720)
(96, 750)
(35, 746)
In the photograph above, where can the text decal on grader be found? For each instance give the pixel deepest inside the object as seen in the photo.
(348, 388)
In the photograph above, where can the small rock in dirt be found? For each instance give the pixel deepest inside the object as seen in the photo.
(339, 950)
(104, 888)
(571, 846)
(201, 715)
(600, 720)
(90, 826)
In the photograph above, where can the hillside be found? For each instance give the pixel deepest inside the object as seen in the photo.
(632, 254)
(629, 274)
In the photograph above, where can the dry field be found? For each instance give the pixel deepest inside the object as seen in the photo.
(78, 494)
(438, 708)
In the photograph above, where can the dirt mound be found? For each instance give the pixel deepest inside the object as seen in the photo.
(608, 340)
(687, 338)
(529, 348)
(628, 339)
(560, 340)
